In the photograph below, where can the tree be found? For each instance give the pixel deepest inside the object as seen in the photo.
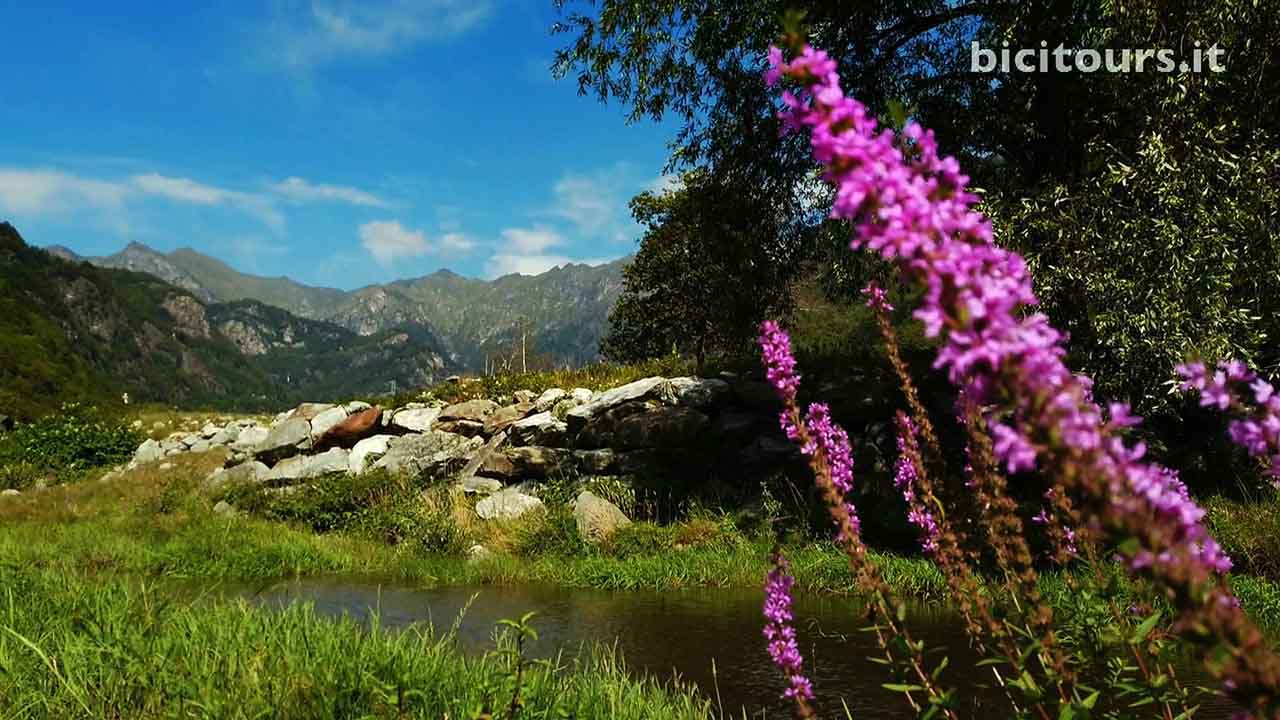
(704, 276)
(1119, 177)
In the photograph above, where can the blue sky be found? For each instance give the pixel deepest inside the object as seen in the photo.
(339, 143)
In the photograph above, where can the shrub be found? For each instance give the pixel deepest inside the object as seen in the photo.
(76, 438)
(18, 475)
(553, 532)
(641, 538)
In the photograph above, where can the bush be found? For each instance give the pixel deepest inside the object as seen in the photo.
(18, 475)
(641, 538)
(376, 504)
(76, 438)
(553, 532)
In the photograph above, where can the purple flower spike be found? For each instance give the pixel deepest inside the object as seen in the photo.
(780, 364)
(913, 207)
(778, 631)
(877, 299)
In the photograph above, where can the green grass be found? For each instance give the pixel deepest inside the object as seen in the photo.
(112, 648)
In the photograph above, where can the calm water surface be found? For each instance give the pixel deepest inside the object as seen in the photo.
(685, 633)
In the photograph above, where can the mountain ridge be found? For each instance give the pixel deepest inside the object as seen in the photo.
(562, 312)
(71, 330)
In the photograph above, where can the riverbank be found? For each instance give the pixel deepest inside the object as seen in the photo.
(98, 646)
(152, 524)
(98, 577)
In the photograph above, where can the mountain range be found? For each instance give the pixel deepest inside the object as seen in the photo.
(184, 328)
(561, 313)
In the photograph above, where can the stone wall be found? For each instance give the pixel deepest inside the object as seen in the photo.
(650, 427)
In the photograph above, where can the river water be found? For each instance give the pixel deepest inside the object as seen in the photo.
(710, 637)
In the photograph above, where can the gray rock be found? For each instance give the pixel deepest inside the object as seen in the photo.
(334, 460)
(148, 451)
(698, 393)
(578, 417)
(325, 420)
(468, 428)
(431, 454)
(209, 430)
(504, 417)
(414, 419)
(540, 429)
(165, 466)
(304, 467)
(507, 504)
(581, 396)
(480, 485)
(356, 406)
(636, 426)
(9, 493)
(548, 399)
(190, 439)
(524, 396)
(471, 410)
(226, 436)
(307, 411)
(201, 446)
(597, 518)
(242, 474)
(250, 437)
(561, 409)
(596, 462)
(224, 508)
(474, 464)
(527, 462)
(284, 440)
(366, 451)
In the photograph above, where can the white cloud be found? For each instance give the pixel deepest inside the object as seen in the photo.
(299, 190)
(588, 201)
(596, 202)
(456, 243)
(503, 264)
(525, 252)
(189, 191)
(41, 191)
(388, 241)
(531, 241)
(326, 31)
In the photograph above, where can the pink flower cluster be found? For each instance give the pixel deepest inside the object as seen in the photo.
(1232, 386)
(877, 299)
(912, 207)
(780, 634)
(826, 438)
(906, 479)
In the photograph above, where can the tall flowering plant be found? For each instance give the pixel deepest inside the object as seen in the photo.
(1023, 408)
